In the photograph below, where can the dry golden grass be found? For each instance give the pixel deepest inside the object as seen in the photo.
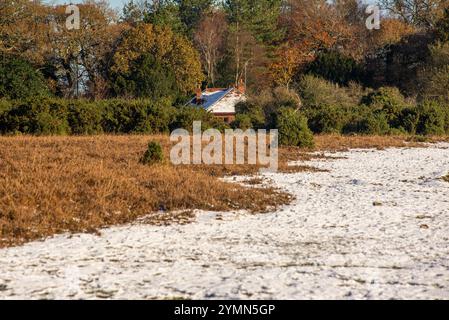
(446, 178)
(50, 185)
(342, 143)
(254, 181)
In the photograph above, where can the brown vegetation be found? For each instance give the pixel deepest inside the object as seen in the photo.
(50, 185)
(342, 143)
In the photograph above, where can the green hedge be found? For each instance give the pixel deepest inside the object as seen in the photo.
(382, 114)
(330, 108)
(41, 116)
(384, 111)
(49, 116)
(5, 106)
(428, 118)
(326, 118)
(185, 116)
(433, 119)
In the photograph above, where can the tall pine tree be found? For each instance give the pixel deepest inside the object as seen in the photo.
(260, 17)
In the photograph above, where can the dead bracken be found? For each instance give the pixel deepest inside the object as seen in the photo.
(51, 185)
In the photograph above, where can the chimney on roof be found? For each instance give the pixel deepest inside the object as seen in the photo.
(199, 95)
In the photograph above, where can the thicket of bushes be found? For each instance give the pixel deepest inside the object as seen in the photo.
(315, 106)
(351, 109)
(293, 129)
(58, 116)
(19, 79)
(382, 111)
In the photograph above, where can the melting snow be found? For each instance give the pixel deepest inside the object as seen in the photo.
(375, 227)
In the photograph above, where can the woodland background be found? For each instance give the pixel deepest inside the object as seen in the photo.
(312, 61)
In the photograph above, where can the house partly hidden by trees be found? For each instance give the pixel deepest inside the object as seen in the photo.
(220, 102)
(134, 72)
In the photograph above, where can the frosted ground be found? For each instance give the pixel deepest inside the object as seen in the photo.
(376, 226)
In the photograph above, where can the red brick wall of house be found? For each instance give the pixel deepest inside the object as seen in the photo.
(226, 117)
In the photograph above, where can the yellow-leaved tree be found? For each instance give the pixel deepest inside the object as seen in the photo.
(170, 50)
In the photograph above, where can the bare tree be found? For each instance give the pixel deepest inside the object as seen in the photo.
(420, 13)
(248, 56)
(209, 39)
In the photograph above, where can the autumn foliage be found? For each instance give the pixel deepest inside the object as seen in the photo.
(167, 49)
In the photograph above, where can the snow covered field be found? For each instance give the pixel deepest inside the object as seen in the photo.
(375, 227)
